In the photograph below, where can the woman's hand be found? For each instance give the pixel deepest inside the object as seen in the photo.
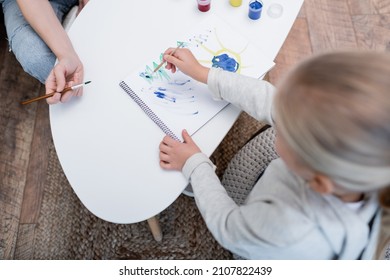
(66, 73)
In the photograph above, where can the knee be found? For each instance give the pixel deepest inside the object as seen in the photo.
(32, 53)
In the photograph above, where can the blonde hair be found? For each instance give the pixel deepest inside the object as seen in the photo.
(334, 112)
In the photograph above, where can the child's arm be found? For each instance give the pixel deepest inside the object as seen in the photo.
(174, 154)
(252, 95)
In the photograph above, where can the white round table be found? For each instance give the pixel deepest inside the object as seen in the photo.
(107, 146)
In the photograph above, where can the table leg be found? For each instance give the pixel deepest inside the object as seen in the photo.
(155, 228)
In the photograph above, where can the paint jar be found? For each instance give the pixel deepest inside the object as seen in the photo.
(275, 10)
(255, 8)
(204, 5)
(235, 3)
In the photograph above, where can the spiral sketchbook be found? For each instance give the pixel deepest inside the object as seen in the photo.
(175, 101)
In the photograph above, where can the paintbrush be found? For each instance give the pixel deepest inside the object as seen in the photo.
(52, 93)
(172, 53)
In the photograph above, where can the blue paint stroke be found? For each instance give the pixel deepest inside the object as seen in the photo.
(162, 95)
(177, 97)
(179, 82)
(174, 97)
(225, 62)
(176, 103)
(146, 76)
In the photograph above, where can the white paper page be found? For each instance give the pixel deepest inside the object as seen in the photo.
(181, 102)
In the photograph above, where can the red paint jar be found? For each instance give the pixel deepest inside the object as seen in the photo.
(204, 5)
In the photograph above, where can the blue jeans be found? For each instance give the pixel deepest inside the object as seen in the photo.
(30, 50)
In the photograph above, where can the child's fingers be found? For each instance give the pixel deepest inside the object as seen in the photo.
(171, 67)
(166, 144)
(170, 141)
(186, 137)
(169, 50)
(164, 157)
(165, 165)
(171, 59)
(163, 147)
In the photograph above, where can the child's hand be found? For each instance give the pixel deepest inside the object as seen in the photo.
(187, 63)
(174, 154)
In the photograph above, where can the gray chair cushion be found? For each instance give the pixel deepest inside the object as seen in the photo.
(248, 164)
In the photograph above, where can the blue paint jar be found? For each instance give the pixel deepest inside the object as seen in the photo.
(255, 8)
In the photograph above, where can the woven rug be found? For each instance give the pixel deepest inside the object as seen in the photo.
(67, 230)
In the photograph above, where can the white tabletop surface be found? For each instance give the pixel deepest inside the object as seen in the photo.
(106, 145)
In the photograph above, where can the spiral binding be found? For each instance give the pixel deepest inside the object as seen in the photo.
(148, 111)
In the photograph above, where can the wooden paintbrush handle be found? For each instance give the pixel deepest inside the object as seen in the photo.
(43, 96)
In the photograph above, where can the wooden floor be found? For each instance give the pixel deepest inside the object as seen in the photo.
(322, 25)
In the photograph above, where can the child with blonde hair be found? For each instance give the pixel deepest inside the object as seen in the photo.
(319, 200)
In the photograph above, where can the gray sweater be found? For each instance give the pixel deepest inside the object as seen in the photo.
(282, 218)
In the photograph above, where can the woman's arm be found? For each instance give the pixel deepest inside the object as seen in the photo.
(69, 69)
(43, 20)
